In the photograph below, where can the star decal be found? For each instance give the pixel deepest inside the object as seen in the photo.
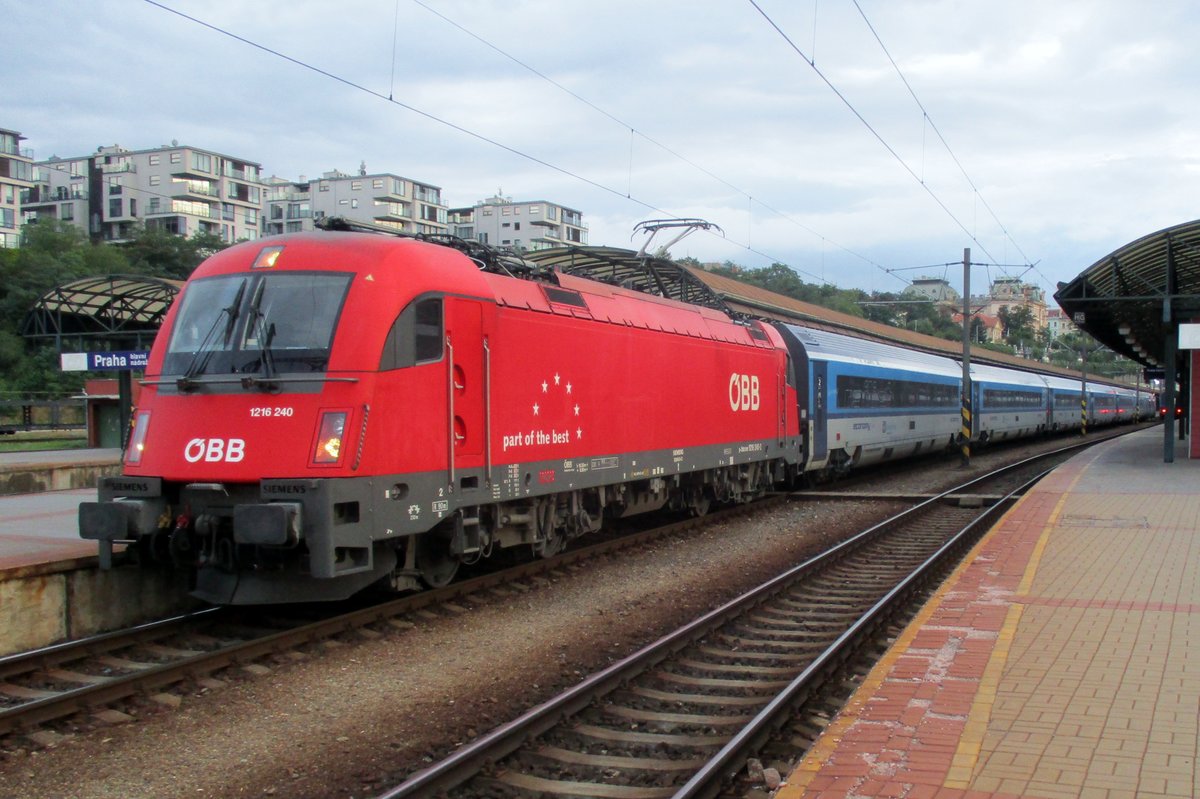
(535, 409)
(545, 386)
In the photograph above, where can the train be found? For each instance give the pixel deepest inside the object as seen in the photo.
(330, 411)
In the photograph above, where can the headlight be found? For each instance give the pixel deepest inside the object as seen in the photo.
(137, 439)
(328, 449)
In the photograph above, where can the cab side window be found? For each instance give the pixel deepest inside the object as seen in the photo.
(416, 335)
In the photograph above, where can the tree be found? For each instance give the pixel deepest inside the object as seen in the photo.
(158, 253)
(1017, 324)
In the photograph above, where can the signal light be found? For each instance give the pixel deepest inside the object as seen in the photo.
(267, 257)
(328, 450)
(137, 438)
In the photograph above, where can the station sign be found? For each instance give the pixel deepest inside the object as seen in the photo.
(118, 361)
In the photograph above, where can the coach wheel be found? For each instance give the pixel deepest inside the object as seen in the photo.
(434, 561)
(698, 502)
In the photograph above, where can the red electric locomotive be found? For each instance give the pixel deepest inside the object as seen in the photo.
(326, 411)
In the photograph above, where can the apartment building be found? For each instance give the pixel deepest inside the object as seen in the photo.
(526, 225)
(16, 177)
(181, 189)
(403, 204)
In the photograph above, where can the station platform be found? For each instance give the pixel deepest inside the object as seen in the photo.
(1060, 660)
(51, 587)
(54, 470)
(39, 526)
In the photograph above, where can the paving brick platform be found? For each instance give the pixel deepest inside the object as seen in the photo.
(1060, 660)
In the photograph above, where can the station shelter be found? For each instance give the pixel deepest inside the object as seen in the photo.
(1143, 301)
(104, 313)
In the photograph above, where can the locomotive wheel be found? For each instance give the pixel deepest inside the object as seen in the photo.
(551, 546)
(434, 561)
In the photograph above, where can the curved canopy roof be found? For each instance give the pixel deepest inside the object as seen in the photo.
(1132, 299)
(128, 307)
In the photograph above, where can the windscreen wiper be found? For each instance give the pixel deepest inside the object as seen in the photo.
(265, 335)
(203, 355)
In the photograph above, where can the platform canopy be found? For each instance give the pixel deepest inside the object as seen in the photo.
(120, 308)
(1132, 299)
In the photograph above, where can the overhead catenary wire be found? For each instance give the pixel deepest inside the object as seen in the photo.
(878, 136)
(439, 120)
(634, 131)
(928, 120)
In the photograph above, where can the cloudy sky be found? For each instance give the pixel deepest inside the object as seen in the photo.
(862, 142)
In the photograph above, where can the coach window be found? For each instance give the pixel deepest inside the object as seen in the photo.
(416, 335)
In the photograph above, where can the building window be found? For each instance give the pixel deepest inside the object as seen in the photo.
(176, 158)
(535, 209)
(324, 186)
(155, 180)
(155, 159)
(132, 206)
(377, 183)
(516, 225)
(8, 218)
(356, 185)
(202, 162)
(67, 211)
(251, 216)
(114, 208)
(354, 203)
(114, 185)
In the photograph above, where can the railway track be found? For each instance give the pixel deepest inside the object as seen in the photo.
(682, 716)
(94, 674)
(89, 675)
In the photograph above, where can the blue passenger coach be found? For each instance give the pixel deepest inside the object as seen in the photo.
(865, 401)
(1007, 403)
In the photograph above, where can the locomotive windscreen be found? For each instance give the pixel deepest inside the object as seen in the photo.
(249, 324)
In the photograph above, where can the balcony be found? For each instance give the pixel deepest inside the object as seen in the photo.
(114, 169)
(194, 188)
(176, 207)
(393, 212)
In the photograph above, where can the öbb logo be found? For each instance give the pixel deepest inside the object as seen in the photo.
(743, 392)
(213, 450)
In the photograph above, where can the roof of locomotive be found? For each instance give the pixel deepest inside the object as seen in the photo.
(823, 345)
(401, 268)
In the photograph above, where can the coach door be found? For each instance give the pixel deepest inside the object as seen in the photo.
(820, 411)
(466, 387)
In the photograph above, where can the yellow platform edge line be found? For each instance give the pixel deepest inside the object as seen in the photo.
(970, 743)
(823, 748)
